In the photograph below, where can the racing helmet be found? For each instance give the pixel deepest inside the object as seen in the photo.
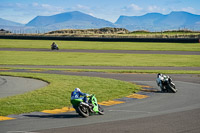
(77, 89)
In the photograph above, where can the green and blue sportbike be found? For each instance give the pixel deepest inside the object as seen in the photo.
(85, 109)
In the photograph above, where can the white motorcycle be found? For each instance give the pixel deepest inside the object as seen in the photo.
(166, 84)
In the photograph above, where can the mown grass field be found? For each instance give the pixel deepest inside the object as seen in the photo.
(8, 43)
(96, 59)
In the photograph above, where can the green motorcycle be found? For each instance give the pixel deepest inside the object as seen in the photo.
(84, 109)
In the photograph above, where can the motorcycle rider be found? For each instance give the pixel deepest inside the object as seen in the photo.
(160, 80)
(76, 94)
(54, 46)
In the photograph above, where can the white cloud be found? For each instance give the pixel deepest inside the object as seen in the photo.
(133, 7)
(45, 9)
(82, 7)
(33, 8)
(154, 8)
(23, 13)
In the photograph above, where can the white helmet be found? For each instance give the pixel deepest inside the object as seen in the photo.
(77, 89)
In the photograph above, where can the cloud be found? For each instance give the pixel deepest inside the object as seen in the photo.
(45, 9)
(154, 8)
(133, 7)
(33, 8)
(82, 7)
(23, 13)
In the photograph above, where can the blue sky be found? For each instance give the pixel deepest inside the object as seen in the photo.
(25, 10)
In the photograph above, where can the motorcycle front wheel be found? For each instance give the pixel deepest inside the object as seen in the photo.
(172, 88)
(101, 110)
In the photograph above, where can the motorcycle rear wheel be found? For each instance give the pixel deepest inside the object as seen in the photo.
(83, 111)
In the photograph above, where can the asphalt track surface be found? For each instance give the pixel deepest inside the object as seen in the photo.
(11, 86)
(103, 67)
(106, 51)
(160, 112)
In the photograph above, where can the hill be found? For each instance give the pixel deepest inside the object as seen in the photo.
(4, 22)
(77, 20)
(106, 30)
(159, 22)
(69, 20)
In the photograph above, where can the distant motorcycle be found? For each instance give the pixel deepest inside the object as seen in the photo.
(85, 109)
(54, 46)
(166, 84)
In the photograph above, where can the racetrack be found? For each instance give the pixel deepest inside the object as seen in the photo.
(160, 108)
(107, 51)
(160, 112)
(11, 86)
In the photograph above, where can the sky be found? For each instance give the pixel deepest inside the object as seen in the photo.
(23, 11)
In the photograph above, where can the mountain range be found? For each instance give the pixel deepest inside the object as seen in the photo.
(78, 20)
(158, 22)
(73, 20)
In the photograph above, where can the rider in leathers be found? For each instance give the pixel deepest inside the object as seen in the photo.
(76, 94)
(160, 79)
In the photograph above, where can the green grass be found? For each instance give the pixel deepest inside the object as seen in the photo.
(141, 71)
(96, 59)
(57, 93)
(106, 70)
(134, 71)
(12, 43)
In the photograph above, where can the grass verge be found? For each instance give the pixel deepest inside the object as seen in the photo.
(105, 70)
(96, 59)
(16, 43)
(137, 71)
(57, 93)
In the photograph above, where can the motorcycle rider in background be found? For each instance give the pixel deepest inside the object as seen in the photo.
(54, 46)
(160, 80)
